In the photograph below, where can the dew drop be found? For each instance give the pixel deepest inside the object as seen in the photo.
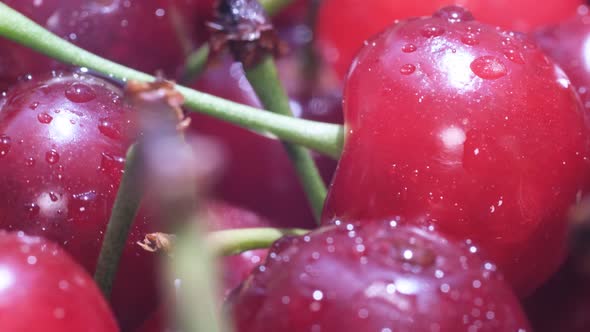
(53, 197)
(407, 69)
(34, 105)
(454, 14)
(470, 39)
(110, 130)
(513, 54)
(430, 30)
(409, 48)
(44, 118)
(5, 144)
(112, 165)
(488, 67)
(80, 93)
(52, 156)
(30, 162)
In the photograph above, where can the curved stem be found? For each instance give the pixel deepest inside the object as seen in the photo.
(235, 241)
(264, 79)
(322, 137)
(122, 216)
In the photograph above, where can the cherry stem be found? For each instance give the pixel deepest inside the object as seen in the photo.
(321, 137)
(193, 265)
(266, 83)
(195, 64)
(235, 241)
(122, 215)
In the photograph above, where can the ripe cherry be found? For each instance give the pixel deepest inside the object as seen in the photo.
(44, 289)
(340, 35)
(470, 127)
(258, 174)
(374, 277)
(63, 139)
(566, 43)
(148, 36)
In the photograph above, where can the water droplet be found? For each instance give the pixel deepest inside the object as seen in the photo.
(430, 30)
(5, 144)
(513, 54)
(409, 48)
(30, 161)
(470, 39)
(112, 165)
(407, 69)
(110, 130)
(32, 210)
(44, 118)
(80, 93)
(488, 67)
(53, 197)
(34, 105)
(454, 14)
(52, 156)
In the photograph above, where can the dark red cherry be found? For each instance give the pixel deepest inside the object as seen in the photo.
(474, 129)
(258, 174)
(374, 277)
(566, 43)
(43, 289)
(63, 140)
(146, 35)
(343, 25)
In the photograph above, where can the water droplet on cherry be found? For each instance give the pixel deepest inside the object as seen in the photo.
(430, 30)
(44, 118)
(409, 48)
(52, 156)
(80, 93)
(488, 67)
(107, 128)
(5, 144)
(407, 69)
(454, 14)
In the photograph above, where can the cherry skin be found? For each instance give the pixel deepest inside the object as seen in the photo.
(566, 44)
(258, 174)
(374, 277)
(341, 35)
(471, 127)
(146, 35)
(44, 289)
(63, 139)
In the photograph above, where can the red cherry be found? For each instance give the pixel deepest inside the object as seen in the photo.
(62, 147)
(146, 35)
(44, 289)
(374, 277)
(258, 174)
(340, 35)
(567, 44)
(487, 139)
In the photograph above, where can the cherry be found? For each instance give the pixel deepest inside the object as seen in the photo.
(259, 175)
(44, 289)
(340, 35)
(63, 138)
(471, 127)
(374, 277)
(148, 36)
(566, 44)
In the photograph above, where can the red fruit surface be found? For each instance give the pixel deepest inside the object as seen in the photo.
(43, 289)
(146, 35)
(567, 44)
(472, 128)
(343, 25)
(63, 140)
(374, 277)
(258, 174)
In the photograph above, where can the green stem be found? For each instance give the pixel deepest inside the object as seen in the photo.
(122, 216)
(235, 241)
(272, 7)
(322, 137)
(195, 64)
(265, 80)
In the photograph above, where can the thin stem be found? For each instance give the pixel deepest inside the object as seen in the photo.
(122, 216)
(235, 241)
(322, 137)
(264, 79)
(195, 63)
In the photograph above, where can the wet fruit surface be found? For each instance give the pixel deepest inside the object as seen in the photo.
(62, 148)
(484, 137)
(340, 36)
(566, 43)
(374, 277)
(43, 287)
(148, 36)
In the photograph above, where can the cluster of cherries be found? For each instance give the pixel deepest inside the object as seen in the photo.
(466, 147)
